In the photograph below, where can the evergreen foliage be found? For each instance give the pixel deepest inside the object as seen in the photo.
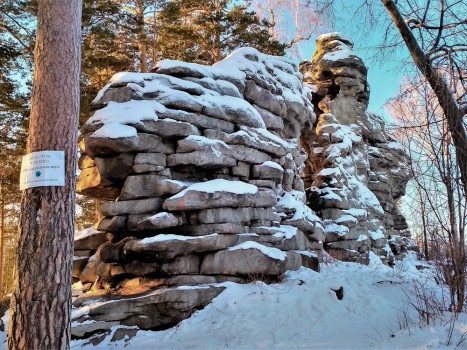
(106, 48)
(206, 31)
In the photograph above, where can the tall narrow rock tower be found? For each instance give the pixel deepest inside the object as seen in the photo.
(355, 171)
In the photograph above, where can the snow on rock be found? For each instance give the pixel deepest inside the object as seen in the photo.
(235, 109)
(220, 185)
(395, 145)
(360, 214)
(341, 53)
(218, 91)
(268, 135)
(195, 143)
(114, 131)
(285, 231)
(361, 171)
(296, 213)
(347, 218)
(170, 237)
(362, 238)
(161, 83)
(273, 253)
(131, 112)
(335, 36)
(376, 234)
(290, 201)
(129, 77)
(274, 165)
(329, 172)
(178, 67)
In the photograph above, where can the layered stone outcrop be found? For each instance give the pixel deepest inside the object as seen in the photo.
(355, 170)
(198, 170)
(224, 173)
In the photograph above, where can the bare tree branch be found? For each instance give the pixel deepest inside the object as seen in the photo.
(445, 96)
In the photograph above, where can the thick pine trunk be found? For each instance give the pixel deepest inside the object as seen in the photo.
(41, 302)
(452, 112)
(2, 236)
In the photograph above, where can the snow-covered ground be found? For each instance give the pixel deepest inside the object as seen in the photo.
(303, 312)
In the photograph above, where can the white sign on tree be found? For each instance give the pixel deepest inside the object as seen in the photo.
(44, 168)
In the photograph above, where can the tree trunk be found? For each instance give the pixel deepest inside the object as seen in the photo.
(41, 302)
(272, 21)
(217, 32)
(2, 236)
(424, 226)
(452, 112)
(143, 57)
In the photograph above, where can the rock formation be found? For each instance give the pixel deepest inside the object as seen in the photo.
(200, 170)
(355, 171)
(201, 173)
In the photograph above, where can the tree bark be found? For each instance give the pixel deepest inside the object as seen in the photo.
(454, 115)
(143, 57)
(424, 226)
(41, 302)
(272, 21)
(217, 32)
(2, 235)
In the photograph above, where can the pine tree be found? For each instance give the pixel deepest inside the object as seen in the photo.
(41, 302)
(206, 31)
(106, 48)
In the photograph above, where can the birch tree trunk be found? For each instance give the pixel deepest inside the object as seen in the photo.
(41, 302)
(453, 113)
